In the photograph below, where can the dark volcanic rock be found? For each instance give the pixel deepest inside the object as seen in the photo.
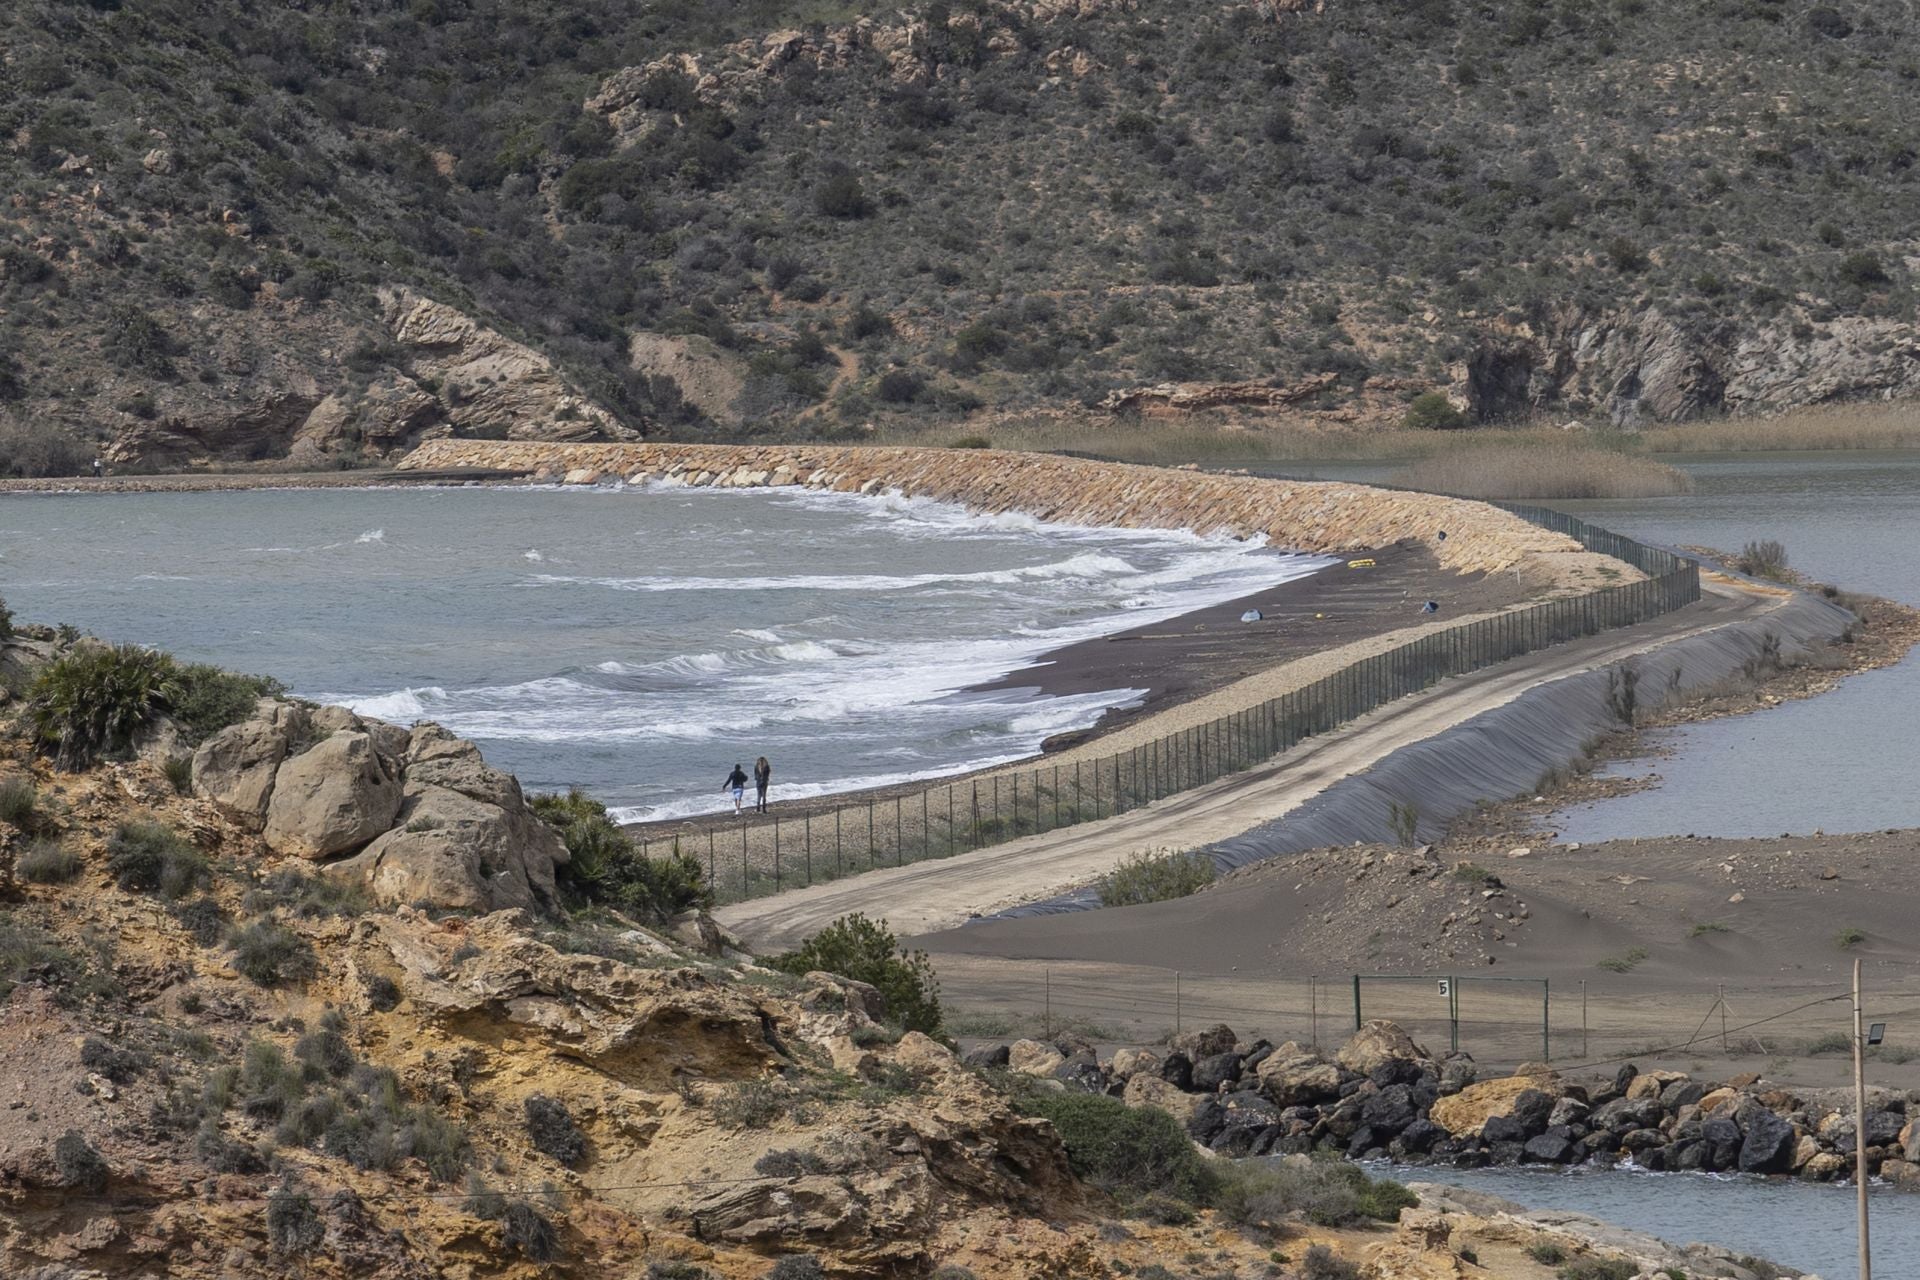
(1390, 1110)
(1211, 1072)
(986, 1055)
(1550, 1148)
(1177, 1070)
(1768, 1145)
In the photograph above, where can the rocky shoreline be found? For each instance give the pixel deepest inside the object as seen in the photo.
(1383, 1097)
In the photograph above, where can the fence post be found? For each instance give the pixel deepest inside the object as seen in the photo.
(1356, 1002)
(743, 862)
(1176, 1002)
(1546, 1019)
(899, 845)
(809, 836)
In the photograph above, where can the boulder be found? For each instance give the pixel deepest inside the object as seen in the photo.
(1215, 1070)
(1457, 1072)
(1825, 1166)
(1389, 1110)
(235, 768)
(454, 852)
(1713, 1100)
(1910, 1141)
(1298, 1079)
(1723, 1139)
(1768, 1145)
(1144, 1090)
(332, 798)
(1081, 1073)
(1519, 1098)
(1177, 1070)
(1216, 1039)
(1377, 1042)
(986, 1056)
(436, 758)
(1128, 1063)
(1549, 1148)
(1032, 1058)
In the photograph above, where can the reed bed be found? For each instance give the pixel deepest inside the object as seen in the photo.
(1569, 471)
(1222, 440)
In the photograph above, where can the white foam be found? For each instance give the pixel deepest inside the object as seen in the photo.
(533, 554)
(372, 535)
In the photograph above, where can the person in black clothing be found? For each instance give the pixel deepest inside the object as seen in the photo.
(737, 783)
(762, 771)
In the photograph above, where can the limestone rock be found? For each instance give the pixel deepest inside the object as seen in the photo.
(235, 767)
(332, 798)
(1128, 1063)
(1032, 1058)
(461, 854)
(1465, 1114)
(1298, 1079)
(1376, 1043)
(1144, 1090)
(436, 758)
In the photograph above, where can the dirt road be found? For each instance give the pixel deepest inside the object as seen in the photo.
(929, 896)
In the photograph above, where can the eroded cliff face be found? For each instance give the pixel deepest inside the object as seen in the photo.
(1639, 368)
(443, 374)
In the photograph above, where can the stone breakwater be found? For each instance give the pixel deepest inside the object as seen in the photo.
(1313, 516)
(1381, 1096)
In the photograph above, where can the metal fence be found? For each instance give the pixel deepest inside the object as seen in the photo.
(753, 859)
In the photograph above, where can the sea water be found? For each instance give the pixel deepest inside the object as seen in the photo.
(635, 642)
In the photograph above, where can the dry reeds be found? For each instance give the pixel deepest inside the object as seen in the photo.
(1539, 471)
(1892, 425)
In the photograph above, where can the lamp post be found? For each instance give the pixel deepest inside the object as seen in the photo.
(1860, 1121)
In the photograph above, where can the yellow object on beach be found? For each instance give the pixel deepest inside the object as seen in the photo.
(1319, 615)
(1359, 564)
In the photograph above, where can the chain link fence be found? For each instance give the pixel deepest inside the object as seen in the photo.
(754, 859)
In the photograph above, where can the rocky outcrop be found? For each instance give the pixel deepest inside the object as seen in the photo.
(1300, 515)
(488, 384)
(1381, 1096)
(1179, 397)
(1646, 366)
(419, 815)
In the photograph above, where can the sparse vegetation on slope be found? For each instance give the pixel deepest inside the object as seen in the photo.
(1369, 200)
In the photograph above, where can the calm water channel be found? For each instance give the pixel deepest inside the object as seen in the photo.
(1800, 1225)
(1841, 762)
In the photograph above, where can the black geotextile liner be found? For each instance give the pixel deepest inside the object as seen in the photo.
(1505, 752)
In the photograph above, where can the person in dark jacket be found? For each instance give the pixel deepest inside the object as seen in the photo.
(762, 772)
(737, 783)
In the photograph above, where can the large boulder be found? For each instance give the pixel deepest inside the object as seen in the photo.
(1515, 1098)
(1034, 1058)
(235, 768)
(1376, 1043)
(437, 758)
(332, 798)
(1215, 1070)
(1205, 1043)
(458, 853)
(1768, 1142)
(1144, 1090)
(1298, 1079)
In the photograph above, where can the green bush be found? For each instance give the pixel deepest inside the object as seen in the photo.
(27, 951)
(1128, 1151)
(179, 774)
(1155, 877)
(6, 621)
(1433, 411)
(866, 951)
(605, 865)
(94, 701)
(1321, 1263)
(207, 699)
(1546, 1253)
(48, 862)
(1327, 1193)
(750, 1104)
(147, 857)
(270, 954)
(293, 1224)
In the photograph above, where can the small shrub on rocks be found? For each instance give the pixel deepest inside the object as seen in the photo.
(790, 1164)
(116, 1064)
(1124, 1150)
(867, 951)
(270, 954)
(1599, 1269)
(750, 1104)
(203, 920)
(206, 699)
(383, 993)
(93, 701)
(523, 1228)
(19, 799)
(605, 866)
(149, 858)
(80, 1166)
(796, 1266)
(47, 862)
(293, 1224)
(1546, 1253)
(1321, 1263)
(179, 773)
(553, 1132)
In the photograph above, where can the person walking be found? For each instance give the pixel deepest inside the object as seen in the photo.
(737, 783)
(762, 771)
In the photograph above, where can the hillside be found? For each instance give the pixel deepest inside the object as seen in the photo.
(236, 232)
